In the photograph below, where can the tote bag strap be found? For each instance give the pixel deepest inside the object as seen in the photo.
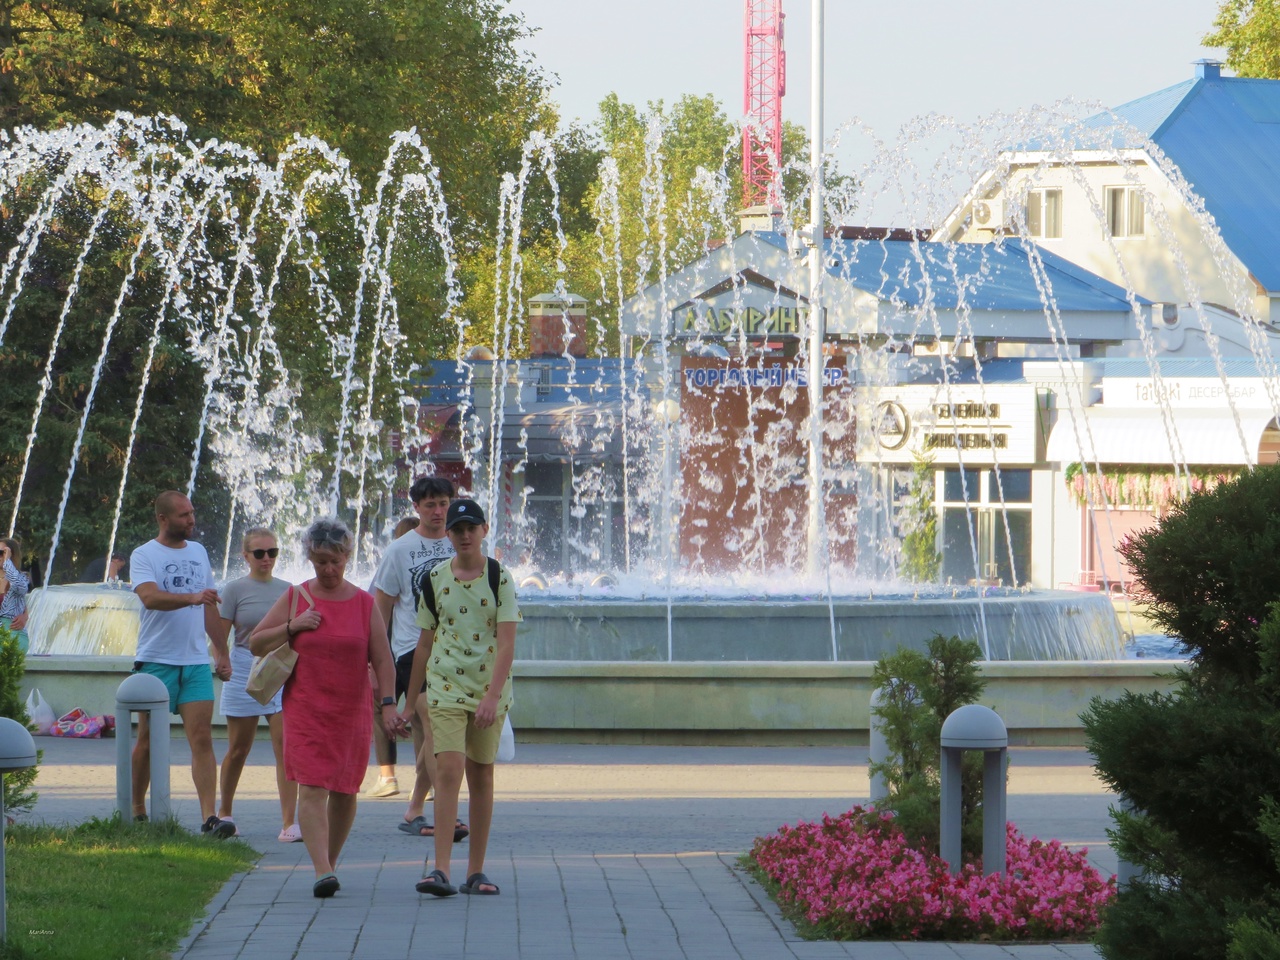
(299, 591)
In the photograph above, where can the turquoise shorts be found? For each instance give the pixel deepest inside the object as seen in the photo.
(21, 635)
(186, 684)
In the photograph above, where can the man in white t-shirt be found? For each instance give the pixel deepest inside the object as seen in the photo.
(173, 578)
(397, 591)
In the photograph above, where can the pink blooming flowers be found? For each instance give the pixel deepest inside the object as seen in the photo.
(855, 876)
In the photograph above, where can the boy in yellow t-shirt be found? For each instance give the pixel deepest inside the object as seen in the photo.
(465, 652)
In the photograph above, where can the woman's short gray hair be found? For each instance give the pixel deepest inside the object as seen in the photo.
(327, 533)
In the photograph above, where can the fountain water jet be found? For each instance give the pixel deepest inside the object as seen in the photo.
(230, 257)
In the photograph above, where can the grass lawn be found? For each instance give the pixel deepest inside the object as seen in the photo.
(105, 890)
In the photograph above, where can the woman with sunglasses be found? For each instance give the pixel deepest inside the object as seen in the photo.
(244, 603)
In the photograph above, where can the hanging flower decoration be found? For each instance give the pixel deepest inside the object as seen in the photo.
(1152, 488)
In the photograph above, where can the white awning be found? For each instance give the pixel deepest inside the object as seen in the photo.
(1143, 436)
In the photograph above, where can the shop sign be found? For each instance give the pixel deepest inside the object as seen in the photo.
(1185, 392)
(996, 427)
(955, 423)
(696, 319)
(774, 375)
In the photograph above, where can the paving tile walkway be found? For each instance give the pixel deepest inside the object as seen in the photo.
(601, 852)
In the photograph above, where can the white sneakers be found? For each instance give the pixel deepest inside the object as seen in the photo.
(384, 787)
(290, 834)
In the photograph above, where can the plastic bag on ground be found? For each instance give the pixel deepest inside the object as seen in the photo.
(41, 714)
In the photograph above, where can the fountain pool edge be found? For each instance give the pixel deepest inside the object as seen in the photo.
(759, 703)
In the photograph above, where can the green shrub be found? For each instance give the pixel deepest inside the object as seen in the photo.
(17, 795)
(1199, 765)
(1203, 572)
(917, 693)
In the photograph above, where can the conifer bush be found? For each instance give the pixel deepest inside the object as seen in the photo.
(918, 691)
(1199, 767)
(18, 796)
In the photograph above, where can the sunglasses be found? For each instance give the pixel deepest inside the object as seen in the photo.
(271, 552)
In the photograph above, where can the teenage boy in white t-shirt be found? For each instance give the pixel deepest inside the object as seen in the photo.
(397, 590)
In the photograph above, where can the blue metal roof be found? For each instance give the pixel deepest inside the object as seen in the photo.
(1224, 135)
(559, 379)
(1146, 114)
(989, 276)
(964, 370)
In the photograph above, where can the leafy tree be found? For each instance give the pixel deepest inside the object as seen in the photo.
(162, 451)
(641, 191)
(1250, 32)
(66, 61)
(1197, 765)
(348, 71)
(351, 72)
(354, 72)
(679, 179)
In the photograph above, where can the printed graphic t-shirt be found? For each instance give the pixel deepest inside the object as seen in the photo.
(246, 601)
(175, 637)
(466, 641)
(408, 559)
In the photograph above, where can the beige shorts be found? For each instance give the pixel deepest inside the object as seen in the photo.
(454, 730)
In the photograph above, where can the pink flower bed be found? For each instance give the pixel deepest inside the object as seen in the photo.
(855, 876)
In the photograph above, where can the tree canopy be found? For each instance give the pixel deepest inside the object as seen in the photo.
(351, 72)
(1249, 30)
(599, 210)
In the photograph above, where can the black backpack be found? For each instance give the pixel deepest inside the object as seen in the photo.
(429, 594)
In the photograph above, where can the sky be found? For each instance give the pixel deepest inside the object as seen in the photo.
(885, 63)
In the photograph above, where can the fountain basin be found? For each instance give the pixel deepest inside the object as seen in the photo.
(740, 671)
(713, 703)
(83, 619)
(1040, 625)
(97, 620)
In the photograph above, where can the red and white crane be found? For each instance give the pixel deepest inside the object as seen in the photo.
(765, 82)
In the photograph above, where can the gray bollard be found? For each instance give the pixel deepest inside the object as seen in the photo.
(974, 727)
(139, 693)
(1126, 872)
(17, 752)
(878, 752)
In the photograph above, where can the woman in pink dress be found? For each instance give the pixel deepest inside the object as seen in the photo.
(337, 632)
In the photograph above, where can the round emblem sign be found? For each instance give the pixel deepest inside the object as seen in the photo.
(892, 424)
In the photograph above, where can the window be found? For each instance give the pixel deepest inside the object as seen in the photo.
(573, 517)
(983, 538)
(1014, 484)
(1044, 214)
(1125, 213)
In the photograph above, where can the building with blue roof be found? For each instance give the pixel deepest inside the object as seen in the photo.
(1090, 334)
(915, 295)
(1175, 194)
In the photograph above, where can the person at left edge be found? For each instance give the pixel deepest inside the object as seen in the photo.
(14, 585)
(174, 581)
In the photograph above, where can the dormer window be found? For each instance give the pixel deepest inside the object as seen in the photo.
(1126, 215)
(1044, 214)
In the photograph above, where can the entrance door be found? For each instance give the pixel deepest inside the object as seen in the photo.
(986, 526)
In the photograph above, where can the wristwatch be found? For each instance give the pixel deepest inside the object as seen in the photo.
(388, 701)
